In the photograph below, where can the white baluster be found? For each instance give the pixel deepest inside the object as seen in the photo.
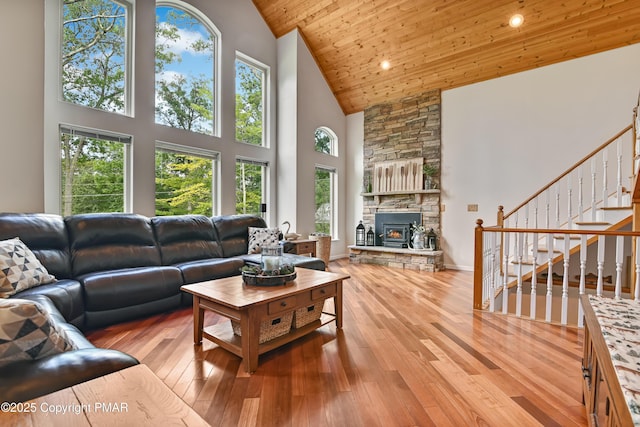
(547, 207)
(619, 257)
(526, 235)
(569, 200)
(565, 281)
(593, 189)
(601, 241)
(505, 277)
(535, 212)
(605, 196)
(619, 186)
(557, 205)
(549, 296)
(534, 277)
(583, 273)
(492, 281)
(580, 195)
(520, 239)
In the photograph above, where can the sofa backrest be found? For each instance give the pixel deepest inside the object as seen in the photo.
(110, 241)
(233, 232)
(183, 238)
(45, 235)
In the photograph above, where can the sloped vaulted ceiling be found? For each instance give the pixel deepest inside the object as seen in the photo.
(443, 44)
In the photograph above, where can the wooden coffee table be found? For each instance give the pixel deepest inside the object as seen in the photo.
(249, 305)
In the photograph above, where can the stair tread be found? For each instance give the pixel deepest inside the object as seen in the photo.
(592, 223)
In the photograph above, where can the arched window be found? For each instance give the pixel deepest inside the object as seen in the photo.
(326, 141)
(186, 49)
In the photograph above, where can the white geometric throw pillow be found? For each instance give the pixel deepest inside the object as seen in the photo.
(27, 332)
(19, 268)
(260, 237)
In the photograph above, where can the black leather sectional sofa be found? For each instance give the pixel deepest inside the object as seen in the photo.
(111, 268)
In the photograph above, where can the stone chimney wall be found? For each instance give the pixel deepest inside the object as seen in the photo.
(404, 128)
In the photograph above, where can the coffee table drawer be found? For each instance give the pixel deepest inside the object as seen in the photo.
(324, 292)
(284, 304)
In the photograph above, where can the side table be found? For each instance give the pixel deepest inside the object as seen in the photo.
(301, 247)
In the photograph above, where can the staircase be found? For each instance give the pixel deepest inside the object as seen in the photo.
(575, 235)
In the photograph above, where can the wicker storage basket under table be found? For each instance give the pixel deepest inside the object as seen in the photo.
(270, 328)
(305, 315)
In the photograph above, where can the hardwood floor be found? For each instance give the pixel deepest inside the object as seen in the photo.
(412, 353)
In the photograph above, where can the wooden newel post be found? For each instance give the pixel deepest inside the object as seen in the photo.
(477, 265)
(500, 218)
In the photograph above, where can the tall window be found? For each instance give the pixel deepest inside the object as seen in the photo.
(95, 54)
(326, 206)
(185, 71)
(184, 181)
(93, 171)
(250, 186)
(250, 101)
(326, 141)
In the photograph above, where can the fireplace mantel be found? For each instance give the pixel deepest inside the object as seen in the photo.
(418, 194)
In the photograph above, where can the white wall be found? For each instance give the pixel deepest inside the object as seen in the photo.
(305, 104)
(21, 109)
(504, 139)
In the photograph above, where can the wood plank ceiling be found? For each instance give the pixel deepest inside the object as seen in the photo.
(443, 44)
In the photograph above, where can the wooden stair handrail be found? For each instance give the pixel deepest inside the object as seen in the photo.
(568, 171)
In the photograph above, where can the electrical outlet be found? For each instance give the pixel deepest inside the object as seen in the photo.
(472, 208)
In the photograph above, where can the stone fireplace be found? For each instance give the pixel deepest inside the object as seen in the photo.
(398, 133)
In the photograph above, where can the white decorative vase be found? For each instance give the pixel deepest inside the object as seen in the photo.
(418, 240)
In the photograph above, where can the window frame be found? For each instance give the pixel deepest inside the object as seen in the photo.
(266, 96)
(333, 145)
(129, 61)
(127, 166)
(333, 197)
(217, 56)
(265, 181)
(214, 156)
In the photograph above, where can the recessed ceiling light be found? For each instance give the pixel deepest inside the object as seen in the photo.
(385, 65)
(516, 20)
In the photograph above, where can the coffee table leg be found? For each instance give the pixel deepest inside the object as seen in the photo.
(198, 320)
(337, 302)
(250, 326)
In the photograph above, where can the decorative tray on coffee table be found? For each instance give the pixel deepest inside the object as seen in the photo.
(259, 280)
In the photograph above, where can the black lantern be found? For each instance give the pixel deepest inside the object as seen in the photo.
(360, 234)
(371, 240)
(432, 240)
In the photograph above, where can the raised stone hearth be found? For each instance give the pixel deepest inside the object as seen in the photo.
(411, 259)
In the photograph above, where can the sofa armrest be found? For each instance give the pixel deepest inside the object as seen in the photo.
(27, 380)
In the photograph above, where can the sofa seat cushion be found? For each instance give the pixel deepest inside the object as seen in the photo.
(65, 294)
(19, 268)
(107, 290)
(210, 269)
(297, 260)
(29, 332)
